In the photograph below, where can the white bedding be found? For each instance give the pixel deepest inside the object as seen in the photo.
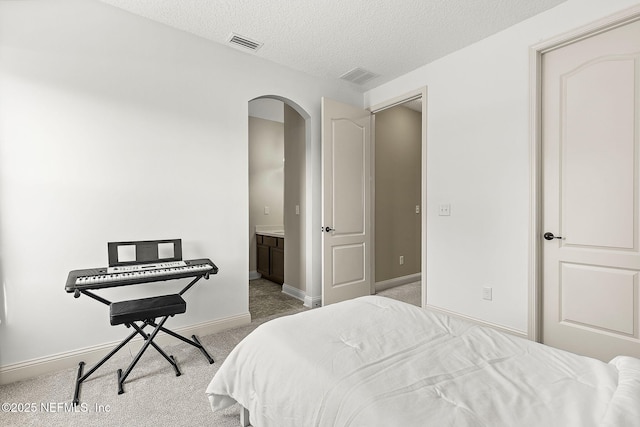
(374, 361)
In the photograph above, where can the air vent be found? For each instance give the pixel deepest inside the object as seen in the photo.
(244, 42)
(359, 76)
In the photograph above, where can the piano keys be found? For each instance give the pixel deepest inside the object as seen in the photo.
(97, 278)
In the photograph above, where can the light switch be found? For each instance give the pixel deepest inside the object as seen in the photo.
(445, 210)
(297, 209)
(266, 210)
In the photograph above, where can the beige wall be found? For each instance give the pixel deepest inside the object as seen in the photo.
(266, 178)
(294, 185)
(397, 179)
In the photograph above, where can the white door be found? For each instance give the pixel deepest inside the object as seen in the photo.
(591, 198)
(346, 202)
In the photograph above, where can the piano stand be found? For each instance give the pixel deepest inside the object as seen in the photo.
(142, 310)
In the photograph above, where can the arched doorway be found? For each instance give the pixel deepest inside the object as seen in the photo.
(278, 214)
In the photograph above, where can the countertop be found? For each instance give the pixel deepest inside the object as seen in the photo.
(276, 233)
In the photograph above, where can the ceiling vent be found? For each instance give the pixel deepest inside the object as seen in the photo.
(359, 76)
(244, 42)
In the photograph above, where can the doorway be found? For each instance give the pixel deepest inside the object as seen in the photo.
(398, 205)
(277, 205)
(400, 196)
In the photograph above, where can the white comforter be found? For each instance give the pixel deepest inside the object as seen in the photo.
(373, 361)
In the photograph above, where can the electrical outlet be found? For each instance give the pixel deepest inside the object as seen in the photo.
(487, 293)
(401, 259)
(417, 209)
(445, 210)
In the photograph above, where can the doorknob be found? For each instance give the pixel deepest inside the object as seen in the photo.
(549, 236)
(328, 229)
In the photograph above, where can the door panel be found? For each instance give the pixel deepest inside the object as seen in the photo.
(348, 264)
(590, 144)
(347, 164)
(597, 153)
(599, 298)
(346, 187)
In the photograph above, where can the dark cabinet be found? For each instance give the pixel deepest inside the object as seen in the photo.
(270, 257)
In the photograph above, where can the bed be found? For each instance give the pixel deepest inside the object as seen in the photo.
(374, 361)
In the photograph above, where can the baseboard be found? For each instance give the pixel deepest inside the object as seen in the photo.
(90, 355)
(312, 302)
(500, 328)
(398, 281)
(293, 292)
(309, 302)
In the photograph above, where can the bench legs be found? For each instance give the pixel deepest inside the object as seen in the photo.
(169, 359)
(195, 342)
(148, 341)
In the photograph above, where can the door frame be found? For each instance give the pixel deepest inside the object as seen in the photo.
(535, 152)
(409, 96)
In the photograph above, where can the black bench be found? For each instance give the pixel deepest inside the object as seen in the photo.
(146, 308)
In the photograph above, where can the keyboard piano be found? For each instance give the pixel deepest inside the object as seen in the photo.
(131, 263)
(97, 278)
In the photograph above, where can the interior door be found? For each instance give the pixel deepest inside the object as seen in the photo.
(346, 202)
(591, 198)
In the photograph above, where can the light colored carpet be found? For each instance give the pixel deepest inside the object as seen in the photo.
(410, 293)
(266, 299)
(153, 396)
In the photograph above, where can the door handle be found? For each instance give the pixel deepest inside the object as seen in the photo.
(328, 229)
(549, 236)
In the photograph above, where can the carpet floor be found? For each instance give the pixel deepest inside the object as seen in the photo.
(153, 396)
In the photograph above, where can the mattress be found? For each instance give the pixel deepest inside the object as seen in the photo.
(374, 361)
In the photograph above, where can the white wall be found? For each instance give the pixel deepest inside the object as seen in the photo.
(478, 161)
(113, 127)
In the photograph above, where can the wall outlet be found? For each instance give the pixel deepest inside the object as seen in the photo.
(401, 259)
(417, 209)
(487, 293)
(445, 210)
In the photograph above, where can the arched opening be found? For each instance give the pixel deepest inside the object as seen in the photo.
(278, 205)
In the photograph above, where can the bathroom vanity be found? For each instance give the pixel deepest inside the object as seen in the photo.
(270, 255)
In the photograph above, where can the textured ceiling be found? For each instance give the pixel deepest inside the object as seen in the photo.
(327, 38)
